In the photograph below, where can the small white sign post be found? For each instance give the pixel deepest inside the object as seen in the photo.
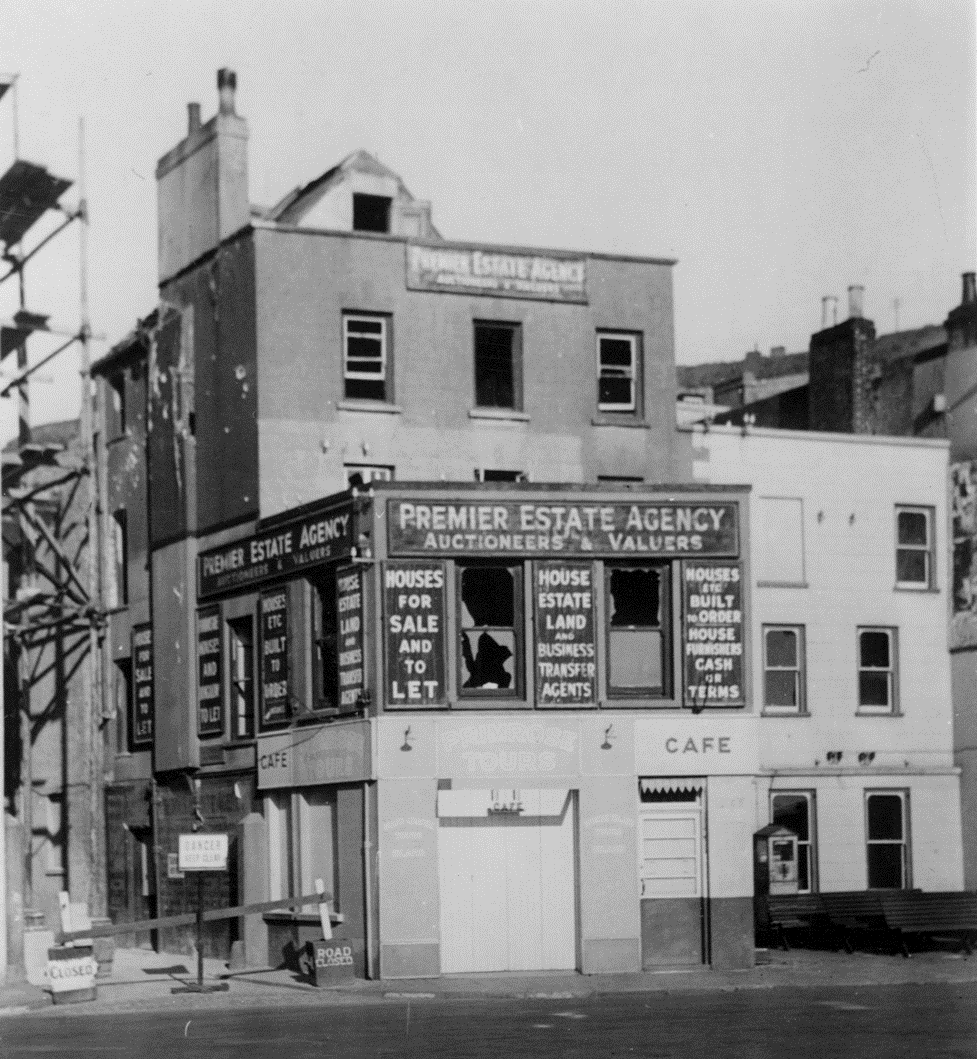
(198, 853)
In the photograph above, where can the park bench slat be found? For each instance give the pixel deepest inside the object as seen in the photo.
(796, 912)
(945, 912)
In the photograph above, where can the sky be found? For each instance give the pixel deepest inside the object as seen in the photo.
(780, 150)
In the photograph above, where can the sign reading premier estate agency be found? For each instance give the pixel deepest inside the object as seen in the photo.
(414, 623)
(142, 686)
(566, 654)
(473, 270)
(659, 528)
(278, 552)
(712, 634)
(210, 699)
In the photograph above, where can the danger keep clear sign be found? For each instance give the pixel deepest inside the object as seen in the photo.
(203, 852)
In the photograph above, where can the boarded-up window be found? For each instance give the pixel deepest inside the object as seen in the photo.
(778, 546)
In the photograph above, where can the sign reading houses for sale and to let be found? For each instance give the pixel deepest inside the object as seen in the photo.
(667, 528)
(210, 700)
(142, 685)
(414, 623)
(712, 641)
(566, 654)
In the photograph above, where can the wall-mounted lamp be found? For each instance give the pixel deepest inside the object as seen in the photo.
(406, 746)
(851, 519)
(866, 757)
(820, 516)
(609, 737)
(324, 445)
(834, 757)
(366, 448)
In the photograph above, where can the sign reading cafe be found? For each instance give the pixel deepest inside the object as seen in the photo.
(663, 528)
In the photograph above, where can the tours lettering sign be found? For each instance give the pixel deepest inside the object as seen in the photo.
(566, 655)
(141, 729)
(278, 552)
(349, 607)
(472, 270)
(651, 528)
(210, 700)
(275, 708)
(712, 641)
(414, 623)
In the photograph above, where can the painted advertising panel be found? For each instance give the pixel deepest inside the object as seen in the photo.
(566, 651)
(287, 549)
(141, 727)
(210, 699)
(659, 528)
(275, 697)
(712, 634)
(503, 747)
(414, 624)
(709, 745)
(479, 270)
(339, 753)
(349, 622)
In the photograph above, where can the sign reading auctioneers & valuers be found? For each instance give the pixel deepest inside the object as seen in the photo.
(479, 270)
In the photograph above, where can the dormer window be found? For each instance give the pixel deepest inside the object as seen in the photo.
(371, 213)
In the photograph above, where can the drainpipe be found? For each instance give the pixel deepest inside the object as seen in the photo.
(367, 879)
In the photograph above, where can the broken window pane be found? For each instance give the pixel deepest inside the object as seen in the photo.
(489, 627)
(636, 646)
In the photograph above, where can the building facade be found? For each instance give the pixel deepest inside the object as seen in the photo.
(853, 679)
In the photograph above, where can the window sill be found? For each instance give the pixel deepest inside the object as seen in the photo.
(926, 590)
(863, 712)
(370, 406)
(772, 711)
(509, 414)
(782, 584)
(624, 420)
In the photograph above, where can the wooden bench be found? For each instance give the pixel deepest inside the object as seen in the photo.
(948, 913)
(854, 910)
(796, 912)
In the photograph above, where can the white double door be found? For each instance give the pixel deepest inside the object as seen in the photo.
(508, 892)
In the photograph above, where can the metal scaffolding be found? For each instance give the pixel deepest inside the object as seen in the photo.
(52, 586)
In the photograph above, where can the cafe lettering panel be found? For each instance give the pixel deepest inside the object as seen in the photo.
(566, 652)
(141, 727)
(712, 634)
(414, 630)
(210, 699)
(287, 549)
(349, 613)
(275, 698)
(659, 529)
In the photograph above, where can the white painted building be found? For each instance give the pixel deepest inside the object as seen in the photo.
(850, 566)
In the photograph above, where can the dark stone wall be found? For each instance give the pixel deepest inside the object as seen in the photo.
(842, 377)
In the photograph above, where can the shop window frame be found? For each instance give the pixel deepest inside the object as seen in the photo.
(902, 793)
(385, 375)
(927, 550)
(667, 597)
(493, 697)
(891, 709)
(251, 682)
(800, 671)
(807, 850)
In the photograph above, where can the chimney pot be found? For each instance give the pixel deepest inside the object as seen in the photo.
(856, 295)
(226, 87)
(969, 295)
(193, 117)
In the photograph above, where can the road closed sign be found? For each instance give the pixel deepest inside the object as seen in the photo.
(203, 852)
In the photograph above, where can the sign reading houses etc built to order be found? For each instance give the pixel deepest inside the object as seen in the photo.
(631, 530)
(478, 270)
(712, 634)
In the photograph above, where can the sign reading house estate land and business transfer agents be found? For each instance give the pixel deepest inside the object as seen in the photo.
(667, 528)
(712, 634)
(566, 654)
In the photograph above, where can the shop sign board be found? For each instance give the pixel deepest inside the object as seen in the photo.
(71, 969)
(566, 653)
(712, 634)
(286, 549)
(480, 270)
(414, 628)
(202, 852)
(275, 700)
(308, 757)
(707, 745)
(142, 686)
(620, 529)
(210, 698)
(502, 748)
(349, 622)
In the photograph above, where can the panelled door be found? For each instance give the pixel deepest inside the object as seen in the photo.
(508, 892)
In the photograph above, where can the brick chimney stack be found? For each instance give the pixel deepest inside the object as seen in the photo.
(843, 372)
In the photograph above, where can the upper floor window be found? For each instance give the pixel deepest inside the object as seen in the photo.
(877, 670)
(361, 474)
(120, 556)
(371, 213)
(491, 629)
(637, 629)
(783, 669)
(115, 411)
(914, 547)
(779, 541)
(498, 365)
(618, 372)
(366, 357)
(241, 635)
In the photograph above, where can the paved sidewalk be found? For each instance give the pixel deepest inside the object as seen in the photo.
(143, 981)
